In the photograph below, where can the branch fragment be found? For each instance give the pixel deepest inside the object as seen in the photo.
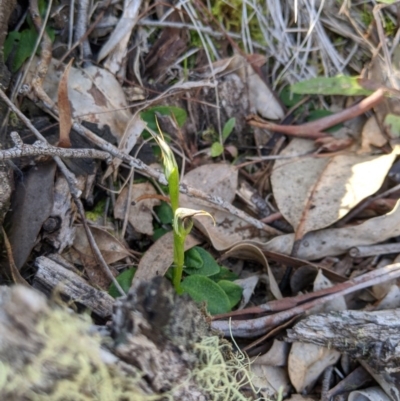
(41, 148)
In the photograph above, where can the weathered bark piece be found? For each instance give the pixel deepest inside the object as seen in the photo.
(49, 354)
(371, 337)
(52, 276)
(155, 330)
(158, 346)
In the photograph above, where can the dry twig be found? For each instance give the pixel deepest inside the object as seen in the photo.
(313, 130)
(41, 148)
(291, 307)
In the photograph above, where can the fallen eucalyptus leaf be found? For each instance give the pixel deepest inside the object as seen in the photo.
(335, 241)
(307, 362)
(313, 193)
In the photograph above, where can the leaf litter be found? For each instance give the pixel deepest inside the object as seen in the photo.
(327, 247)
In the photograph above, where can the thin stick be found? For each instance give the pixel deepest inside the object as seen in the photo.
(87, 33)
(313, 130)
(255, 327)
(41, 148)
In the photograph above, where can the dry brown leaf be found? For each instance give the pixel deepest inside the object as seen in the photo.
(277, 355)
(313, 193)
(219, 180)
(391, 300)
(307, 362)
(95, 95)
(110, 247)
(64, 109)
(140, 216)
(337, 304)
(97, 277)
(248, 285)
(269, 380)
(160, 256)
(262, 99)
(371, 135)
(214, 179)
(369, 394)
(252, 252)
(335, 241)
(32, 205)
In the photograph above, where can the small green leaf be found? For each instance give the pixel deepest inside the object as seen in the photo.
(202, 289)
(386, 1)
(125, 280)
(392, 124)
(232, 290)
(289, 99)
(216, 149)
(209, 266)
(228, 128)
(193, 258)
(149, 115)
(12, 40)
(164, 213)
(25, 48)
(339, 85)
(224, 274)
(158, 233)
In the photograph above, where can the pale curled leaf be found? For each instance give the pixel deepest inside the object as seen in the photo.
(253, 252)
(313, 193)
(160, 256)
(248, 285)
(369, 394)
(307, 362)
(140, 213)
(335, 241)
(336, 304)
(270, 380)
(110, 247)
(218, 180)
(276, 356)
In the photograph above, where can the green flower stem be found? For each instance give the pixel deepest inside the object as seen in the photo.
(173, 182)
(179, 240)
(179, 255)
